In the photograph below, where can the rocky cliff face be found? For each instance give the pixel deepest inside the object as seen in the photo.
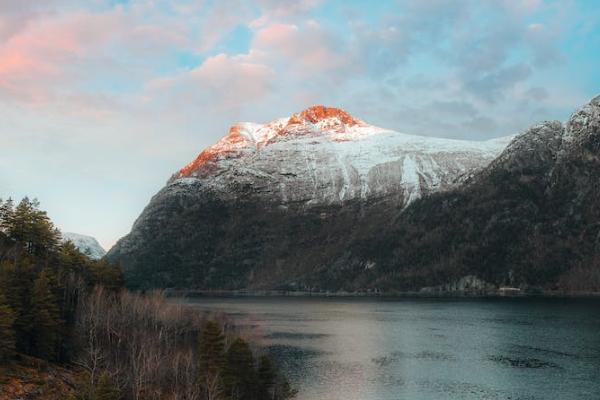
(275, 205)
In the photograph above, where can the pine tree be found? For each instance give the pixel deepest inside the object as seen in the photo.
(212, 359)
(239, 378)
(71, 260)
(6, 212)
(266, 378)
(106, 389)
(7, 333)
(32, 229)
(284, 391)
(109, 276)
(17, 283)
(46, 317)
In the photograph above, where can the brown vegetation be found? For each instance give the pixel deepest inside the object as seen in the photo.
(33, 378)
(68, 330)
(154, 349)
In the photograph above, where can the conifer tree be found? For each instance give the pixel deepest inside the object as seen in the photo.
(285, 391)
(16, 284)
(109, 276)
(212, 359)
(46, 317)
(70, 259)
(266, 378)
(32, 229)
(6, 212)
(7, 333)
(106, 389)
(240, 376)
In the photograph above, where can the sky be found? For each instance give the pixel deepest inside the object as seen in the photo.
(102, 100)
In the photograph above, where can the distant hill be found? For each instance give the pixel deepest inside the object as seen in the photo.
(86, 244)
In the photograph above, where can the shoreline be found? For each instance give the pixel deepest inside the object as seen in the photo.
(195, 293)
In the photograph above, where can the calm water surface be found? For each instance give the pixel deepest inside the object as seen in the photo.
(374, 349)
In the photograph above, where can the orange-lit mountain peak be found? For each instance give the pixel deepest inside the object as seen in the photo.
(319, 113)
(248, 137)
(236, 134)
(229, 146)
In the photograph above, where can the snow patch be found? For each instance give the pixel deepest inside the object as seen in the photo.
(329, 160)
(88, 245)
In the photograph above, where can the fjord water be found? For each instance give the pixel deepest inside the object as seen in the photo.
(376, 349)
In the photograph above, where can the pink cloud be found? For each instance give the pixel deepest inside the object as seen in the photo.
(308, 54)
(49, 58)
(219, 84)
(39, 57)
(288, 8)
(309, 47)
(221, 20)
(234, 75)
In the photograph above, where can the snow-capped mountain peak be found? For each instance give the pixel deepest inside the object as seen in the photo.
(324, 118)
(314, 121)
(88, 245)
(324, 155)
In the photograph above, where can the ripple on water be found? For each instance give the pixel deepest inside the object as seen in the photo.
(421, 355)
(543, 351)
(509, 321)
(287, 352)
(295, 335)
(469, 391)
(522, 362)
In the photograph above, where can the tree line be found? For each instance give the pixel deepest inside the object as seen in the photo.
(60, 306)
(144, 347)
(41, 281)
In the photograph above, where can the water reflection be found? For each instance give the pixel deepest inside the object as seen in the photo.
(368, 349)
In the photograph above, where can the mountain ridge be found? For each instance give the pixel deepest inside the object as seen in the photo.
(359, 225)
(326, 136)
(528, 220)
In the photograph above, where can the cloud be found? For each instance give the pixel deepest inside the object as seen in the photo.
(492, 86)
(89, 90)
(542, 42)
(36, 59)
(218, 20)
(308, 48)
(59, 56)
(233, 79)
(520, 8)
(287, 8)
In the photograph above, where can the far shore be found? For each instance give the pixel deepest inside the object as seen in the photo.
(196, 293)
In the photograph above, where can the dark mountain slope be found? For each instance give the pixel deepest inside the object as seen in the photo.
(531, 219)
(274, 205)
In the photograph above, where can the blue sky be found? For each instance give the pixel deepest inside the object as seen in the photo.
(100, 101)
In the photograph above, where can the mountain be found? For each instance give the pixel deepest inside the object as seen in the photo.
(270, 206)
(324, 155)
(85, 244)
(529, 220)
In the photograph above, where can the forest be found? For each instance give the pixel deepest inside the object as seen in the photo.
(60, 309)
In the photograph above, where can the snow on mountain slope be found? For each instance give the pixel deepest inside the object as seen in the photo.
(280, 203)
(324, 155)
(86, 244)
